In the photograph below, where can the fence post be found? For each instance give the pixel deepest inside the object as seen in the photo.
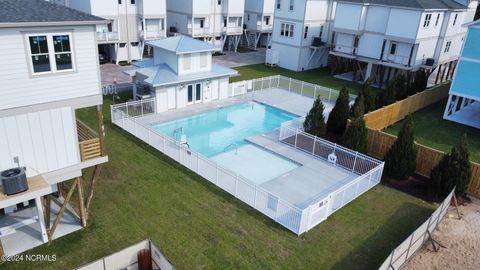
(290, 84)
(255, 198)
(141, 108)
(301, 90)
(355, 162)
(261, 88)
(126, 105)
(296, 136)
(313, 150)
(315, 93)
(330, 95)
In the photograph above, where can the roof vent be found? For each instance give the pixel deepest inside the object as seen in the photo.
(14, 181)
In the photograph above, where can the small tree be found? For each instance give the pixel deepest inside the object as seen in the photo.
(369, 97)
(355, 137)
(401, 159)
(315, 120)
(401, 87)
(390, 95)
(358, 108)
(337, 120)
(420, 82)
(453, 170)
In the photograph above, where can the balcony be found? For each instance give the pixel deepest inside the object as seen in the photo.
(262, 27)
(232, 30)
(396, 59)
(151, 35)
(107, 36)
(198, 31)
(89, 142)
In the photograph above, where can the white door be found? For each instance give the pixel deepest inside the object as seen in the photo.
(207, 92)
(171, 98)
(214, 89)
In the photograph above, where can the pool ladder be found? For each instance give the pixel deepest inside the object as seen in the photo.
(232, 145)
(175, 135)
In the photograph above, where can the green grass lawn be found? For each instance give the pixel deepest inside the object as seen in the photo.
(144, 194)
(317, 76)
(432, 130)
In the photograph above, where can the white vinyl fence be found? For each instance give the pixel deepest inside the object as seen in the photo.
(272, 206)
(417, 239)
(369, 170)
(291, 85)
(127, 259)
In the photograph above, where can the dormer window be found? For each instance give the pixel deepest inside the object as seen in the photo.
(50, 53)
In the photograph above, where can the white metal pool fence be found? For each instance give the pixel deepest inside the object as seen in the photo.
(291, 85)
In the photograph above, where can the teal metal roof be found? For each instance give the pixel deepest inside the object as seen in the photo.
(163, 75)
(467, 80)
(183, 44)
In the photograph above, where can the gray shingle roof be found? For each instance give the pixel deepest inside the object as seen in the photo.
(40, 11)
(417, 4)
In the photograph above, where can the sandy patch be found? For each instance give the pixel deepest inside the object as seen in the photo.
(461, 239)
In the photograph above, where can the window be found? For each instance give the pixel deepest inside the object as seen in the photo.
(279, 4)
(305, 34)
(219, 2)
(63, 53)
(428, 17)
(393, 48)
(267, 20)
(455, 19)
(224, 21)
(203, 59)
(187, 62)
(286, 30)
(132, 2)
(134, 44)
(202, 23)
(321, 32)
(39, 52)
(119, 2)
(438, 19)
(50, 53)
(292, 2)
(248, 17)
(447, 46)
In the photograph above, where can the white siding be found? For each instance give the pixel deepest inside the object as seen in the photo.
(377, 19)
(403, 23)
(348, 16)
(19, 88)
(44, 141)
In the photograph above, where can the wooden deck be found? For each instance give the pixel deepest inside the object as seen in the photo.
(89, 142)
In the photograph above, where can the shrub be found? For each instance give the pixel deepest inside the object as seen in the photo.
(369, 97)
(355, 137)
(390, 95)
(453, 170)
(401, 159)
(315, 120)
(358, 108)
(401, 87)
(420, 82)
(337, 120)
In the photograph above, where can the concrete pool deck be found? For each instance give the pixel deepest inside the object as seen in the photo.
(315, 179)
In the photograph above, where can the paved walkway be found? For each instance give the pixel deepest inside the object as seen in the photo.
(110, 71)
(233, 59)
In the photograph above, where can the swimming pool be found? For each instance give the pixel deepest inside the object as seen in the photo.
(216, 131)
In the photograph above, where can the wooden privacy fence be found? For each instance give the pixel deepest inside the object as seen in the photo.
(380, 142)
(389, 115)
(89, 142)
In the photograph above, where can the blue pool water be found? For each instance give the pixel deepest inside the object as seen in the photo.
(211, 132)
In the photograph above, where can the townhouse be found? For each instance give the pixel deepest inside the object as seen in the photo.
(259, 16)
(218, 22)
(132, 24)
(464, 100)
(376, 39)
(50, 70)
(301, 34)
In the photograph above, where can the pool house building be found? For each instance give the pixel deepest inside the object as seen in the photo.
(180, 74)
(464, 101)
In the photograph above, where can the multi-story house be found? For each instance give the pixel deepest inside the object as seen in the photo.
(464, 101)
(180, 74)
(259, 15)
(132, 24)
(219, 22)
(50, 70)
(301, 33)
(377, 39)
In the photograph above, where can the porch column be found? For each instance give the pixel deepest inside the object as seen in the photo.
(368, 73)
(41, 220)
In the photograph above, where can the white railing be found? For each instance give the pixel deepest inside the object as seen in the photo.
(272, 206)
(107, 36)
(138, 108)
(402, 254)
(291, 85)
(233, 30)
(396, 59)
(369, 170)
(152, 34)
(261, 26)
(198, 31)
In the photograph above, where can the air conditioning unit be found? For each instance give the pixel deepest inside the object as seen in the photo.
(14, 181)
(429, 62)
(317, 42)
(173, 29)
